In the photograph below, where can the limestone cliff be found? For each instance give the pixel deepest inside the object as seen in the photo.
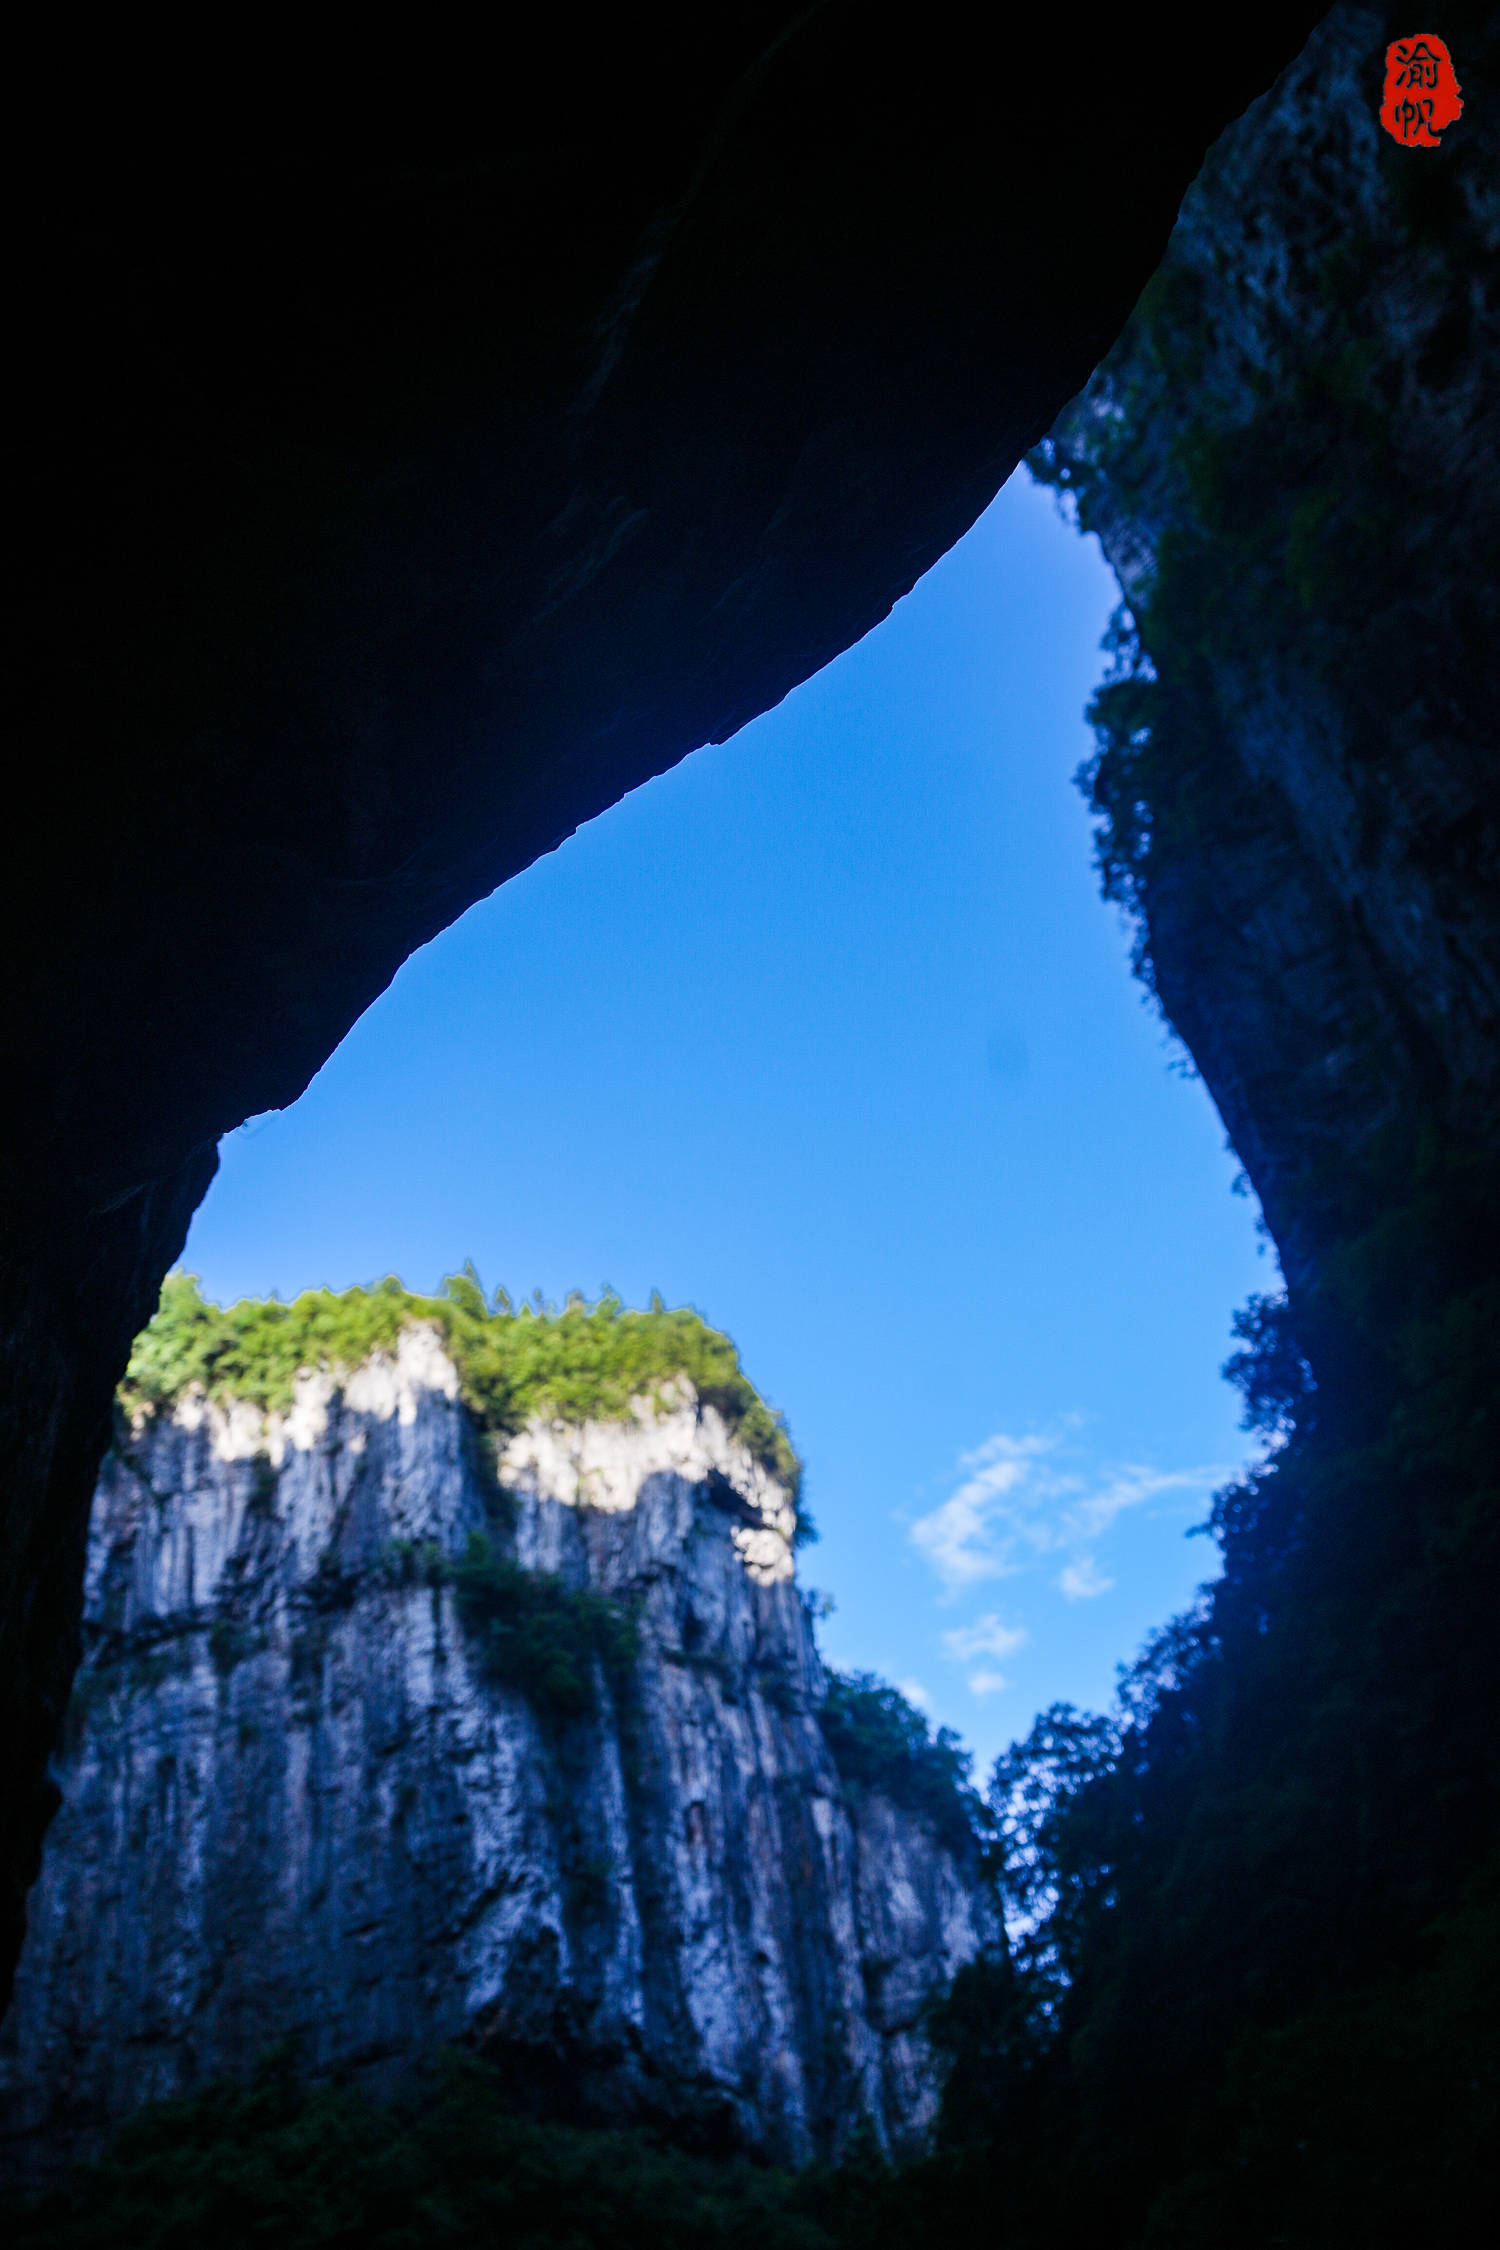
(301, 1802)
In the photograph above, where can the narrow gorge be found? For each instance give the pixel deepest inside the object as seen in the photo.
(457, 1695)
(397, 1729)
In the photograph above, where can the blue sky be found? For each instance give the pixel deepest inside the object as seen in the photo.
(828, 1033)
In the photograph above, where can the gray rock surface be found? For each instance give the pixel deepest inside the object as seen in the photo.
(1292, 462)
(296, 1807)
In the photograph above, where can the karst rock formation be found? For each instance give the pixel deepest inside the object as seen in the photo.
(420, 444)
(298, 1806)
(1292, 461)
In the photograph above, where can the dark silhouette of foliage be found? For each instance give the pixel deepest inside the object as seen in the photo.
(268, 2162)
(881, 1742)
(1270, 1370)
(1269, 1922)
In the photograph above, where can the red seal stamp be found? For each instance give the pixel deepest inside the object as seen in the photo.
(1421, 92)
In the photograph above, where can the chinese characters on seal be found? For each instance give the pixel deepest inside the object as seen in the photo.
(1421, 91)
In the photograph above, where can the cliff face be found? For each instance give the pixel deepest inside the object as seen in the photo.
(1278, 1905)
(409, 474)
(1292, 460)
(300, 1803)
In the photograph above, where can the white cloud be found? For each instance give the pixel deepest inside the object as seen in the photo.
(1081, 1579)
(969, 1536)
(988, 1636)
(915, 1693)
(1036, 1502)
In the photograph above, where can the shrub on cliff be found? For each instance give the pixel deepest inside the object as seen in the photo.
(534, 1633)
(880, 1742)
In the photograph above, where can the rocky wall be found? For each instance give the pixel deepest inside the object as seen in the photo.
(298, 1808)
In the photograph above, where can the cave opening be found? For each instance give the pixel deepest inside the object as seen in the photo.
(311, 681)
(828, 1033)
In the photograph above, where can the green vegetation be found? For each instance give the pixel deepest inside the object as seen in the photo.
(880, 1742)
(531, 1631)
(270, 2163)
(534, 1633)
(587, 1360)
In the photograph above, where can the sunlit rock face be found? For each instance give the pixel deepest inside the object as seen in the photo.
(296, 1807)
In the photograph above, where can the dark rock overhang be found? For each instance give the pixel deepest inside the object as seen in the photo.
(423, 447)
(428, 452)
